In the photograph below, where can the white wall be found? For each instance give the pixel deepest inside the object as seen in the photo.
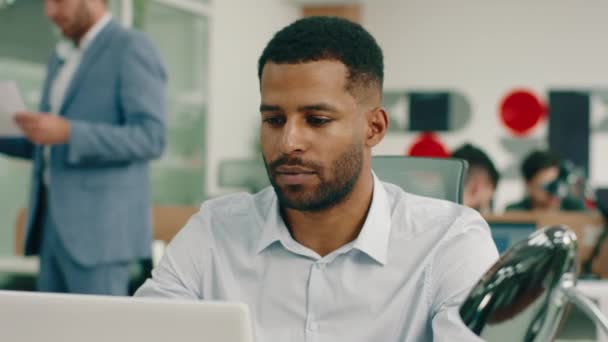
(239, 31)
(478, 47)
(483, 49)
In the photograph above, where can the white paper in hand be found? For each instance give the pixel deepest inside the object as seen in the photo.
(10, 103)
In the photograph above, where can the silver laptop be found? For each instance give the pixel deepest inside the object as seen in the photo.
(35, 317)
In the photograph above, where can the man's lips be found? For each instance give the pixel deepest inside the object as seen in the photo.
(293, 169)
(293, 175)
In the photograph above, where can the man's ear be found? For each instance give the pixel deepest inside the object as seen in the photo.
(475, 185)
(377, 125)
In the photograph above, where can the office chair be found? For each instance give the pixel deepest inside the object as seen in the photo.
(441, 178)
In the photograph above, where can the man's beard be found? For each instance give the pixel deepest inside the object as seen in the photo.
(345, 171)
(81, 23)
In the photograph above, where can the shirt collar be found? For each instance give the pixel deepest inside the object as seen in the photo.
(373, 239)
(274, 226)
(65, 48)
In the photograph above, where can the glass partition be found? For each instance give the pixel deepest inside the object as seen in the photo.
(27, 38)
(182, 37)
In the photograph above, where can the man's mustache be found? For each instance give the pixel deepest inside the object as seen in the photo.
(293, 161)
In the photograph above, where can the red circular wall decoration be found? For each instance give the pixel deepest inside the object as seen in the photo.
(428, 145)
(521, 111)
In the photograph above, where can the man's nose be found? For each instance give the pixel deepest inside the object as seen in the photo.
(293, 139)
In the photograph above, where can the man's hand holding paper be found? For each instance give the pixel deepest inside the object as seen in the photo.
(43, 128)
(10, 103)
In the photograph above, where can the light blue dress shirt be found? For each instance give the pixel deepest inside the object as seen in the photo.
(402, 279)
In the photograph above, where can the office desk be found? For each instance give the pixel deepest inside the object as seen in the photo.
(30, 265)
(168, 220)
(597, 290)
(586, 226)
(19, 265)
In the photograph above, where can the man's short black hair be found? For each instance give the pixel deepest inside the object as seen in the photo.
(537, 161)
(328, 38)
(477, 159)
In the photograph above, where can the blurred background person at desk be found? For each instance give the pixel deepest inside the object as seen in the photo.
(481, 179)
(102, 120)
(544, 185)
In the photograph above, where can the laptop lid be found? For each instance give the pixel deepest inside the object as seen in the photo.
(35, 317)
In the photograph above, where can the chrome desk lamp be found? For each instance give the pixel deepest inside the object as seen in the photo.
(525, 294)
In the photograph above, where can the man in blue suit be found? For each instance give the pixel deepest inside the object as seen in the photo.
(101, 122)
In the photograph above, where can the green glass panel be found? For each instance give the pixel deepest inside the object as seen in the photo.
(182, 38)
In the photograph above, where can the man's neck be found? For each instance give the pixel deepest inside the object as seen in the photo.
(328, 230)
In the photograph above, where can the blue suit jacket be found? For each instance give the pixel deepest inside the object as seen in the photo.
(99, 193)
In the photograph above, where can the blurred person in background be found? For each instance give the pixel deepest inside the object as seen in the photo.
(541, 172)
(481, 179)
(101, 120)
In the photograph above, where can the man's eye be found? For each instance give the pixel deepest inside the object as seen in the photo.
(317, 121)
(274, 121)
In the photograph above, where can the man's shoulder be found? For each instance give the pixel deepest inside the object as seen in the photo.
(442, 231)
(127, 38)
(237, 211)
(133, 47)
(235, 219)
(239, 203)
(416, 214)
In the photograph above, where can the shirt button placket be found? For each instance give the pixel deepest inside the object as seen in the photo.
(315, 300)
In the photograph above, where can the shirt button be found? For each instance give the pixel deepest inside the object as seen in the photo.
(321, 265)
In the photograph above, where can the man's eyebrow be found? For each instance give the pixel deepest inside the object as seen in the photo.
(318, 106)
(269, 108)
(311, 107)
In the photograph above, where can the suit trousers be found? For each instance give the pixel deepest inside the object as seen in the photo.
(59, 272)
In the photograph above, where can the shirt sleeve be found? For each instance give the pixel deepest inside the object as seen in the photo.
(460, 262)
(179, 273)
(17, 147)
